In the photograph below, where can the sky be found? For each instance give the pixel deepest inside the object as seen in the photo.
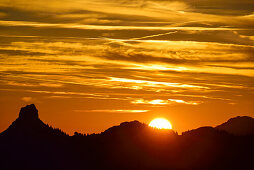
(88, 65)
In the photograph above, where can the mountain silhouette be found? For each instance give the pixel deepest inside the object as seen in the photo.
(29, 112)
(28, 124)
(30, 144)
(241, 125)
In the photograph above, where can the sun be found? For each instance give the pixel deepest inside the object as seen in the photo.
(160, 123)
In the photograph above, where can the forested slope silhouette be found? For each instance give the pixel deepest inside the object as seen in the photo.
(31, 144)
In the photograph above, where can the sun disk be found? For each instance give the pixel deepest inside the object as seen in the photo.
(160, 123)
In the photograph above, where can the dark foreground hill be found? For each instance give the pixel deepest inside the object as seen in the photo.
(238, 126)
(30, 144)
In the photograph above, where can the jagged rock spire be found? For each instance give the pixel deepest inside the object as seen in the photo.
(29, 112)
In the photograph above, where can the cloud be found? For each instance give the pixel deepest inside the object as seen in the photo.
(184, 102)
(27, 99)
(114, 111)
(152, 102)
(155, 84)
(164, 102)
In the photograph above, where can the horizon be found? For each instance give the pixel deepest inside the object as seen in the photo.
(37, 116)
(88, 65)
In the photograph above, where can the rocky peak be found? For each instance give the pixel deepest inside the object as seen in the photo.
(29, 112)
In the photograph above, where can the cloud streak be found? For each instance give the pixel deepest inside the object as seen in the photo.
(160, 102)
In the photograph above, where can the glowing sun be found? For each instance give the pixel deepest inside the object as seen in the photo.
(160, 123)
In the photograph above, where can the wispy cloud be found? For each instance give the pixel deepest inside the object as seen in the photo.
(165, 102)
(154, 83)
(27, 99)
(114, 111)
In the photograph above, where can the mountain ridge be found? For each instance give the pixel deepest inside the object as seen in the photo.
(240, 125)
(31, 144)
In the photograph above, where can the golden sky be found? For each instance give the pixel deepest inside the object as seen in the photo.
(92, 64)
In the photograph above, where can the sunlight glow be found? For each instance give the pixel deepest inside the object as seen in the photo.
(160, 123)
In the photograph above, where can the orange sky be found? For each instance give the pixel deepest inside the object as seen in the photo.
(92, 64)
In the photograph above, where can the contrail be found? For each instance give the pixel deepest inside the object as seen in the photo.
(139, 38)
(155, 35)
